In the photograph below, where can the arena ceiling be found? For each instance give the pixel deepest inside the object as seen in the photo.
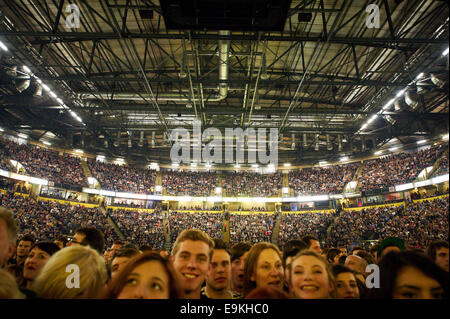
(318, 79)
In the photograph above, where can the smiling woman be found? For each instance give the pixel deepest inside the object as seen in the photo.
(146, 276)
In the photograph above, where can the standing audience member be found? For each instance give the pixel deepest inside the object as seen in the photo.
(145, 276)
(89, 236)
(38, 257)
(239, 253)
(120, 259)
(23, 249)
(409, 275)
(313, 243)
(8, 233)
(218, 280)
(263, 267)
(82, 261)
(191, 255)
(311, 277)
(438, 252)
(346, 284)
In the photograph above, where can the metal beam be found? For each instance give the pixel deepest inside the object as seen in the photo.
(89, 36)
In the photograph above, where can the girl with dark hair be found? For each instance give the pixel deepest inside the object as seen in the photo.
(346, 283)
(39, 254)
(146, 276)
(409, 275)
(263, 267)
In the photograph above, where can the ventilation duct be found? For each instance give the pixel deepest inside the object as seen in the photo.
(153, 139)
(305, 141)
(130, 143)
(224, 52)
(293, 142)
(317, 147)
(117, 141)
(439, 79)
(339, 143)
(400, 105)
(363, 144)
(329, 146)
(264, 75)
(141, 139)
(412, 98)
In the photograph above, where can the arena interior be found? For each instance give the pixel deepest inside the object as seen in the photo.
(90, 95)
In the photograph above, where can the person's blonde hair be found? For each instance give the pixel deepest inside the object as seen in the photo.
(8, 286)
(8, 216)
(51, 283)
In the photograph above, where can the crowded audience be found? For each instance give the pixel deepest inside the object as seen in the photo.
(140, 228)
(298, 225)
(252, 184)
(190, 183)
(397, 169)
(45, 164)
(322, 180)
(123, 178)
(210, 223)
(253, 228)
(442, 168)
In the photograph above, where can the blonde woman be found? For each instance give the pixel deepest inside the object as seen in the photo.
(73, 272)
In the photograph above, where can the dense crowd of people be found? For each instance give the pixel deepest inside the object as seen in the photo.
(46, 220)
(252, 228)
(123, 178)
(442, 168)
(210, 223)
(398, 169)
(45, 164)
(302, 224)
(190, 183)
(140, 228)
(322, 180)
(252, 184)
(34, 263)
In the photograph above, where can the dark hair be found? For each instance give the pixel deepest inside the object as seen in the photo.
(342, 259)
(115, 287)
(332, 253)
(237, 250)
(433, 248)
(94, 238)
(267, 293)
(220, 244)
(47, 246)
(125, 252)
(356, 248)
(339, 269)
(393, 262)
(251, 262)
(27, 237)
(307, 239)
(374, 249)
(118, 242)
(62, 239)
(145, 248)
(367, 256)
(293, 245)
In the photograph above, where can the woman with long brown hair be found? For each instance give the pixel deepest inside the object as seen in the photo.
(146, 276)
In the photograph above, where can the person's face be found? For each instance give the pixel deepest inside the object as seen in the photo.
(411, 283)
(237, 270)
(269, 270)
(23, 248)
(315, 246)
(309, 278)
(442, 258)
(59, 243)
(117, 264)
(346, 286)
(355, 263)
(148, 280)
(219, 273)
(34, 263)
(6, 248)
(77, 239)
(191, 264)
